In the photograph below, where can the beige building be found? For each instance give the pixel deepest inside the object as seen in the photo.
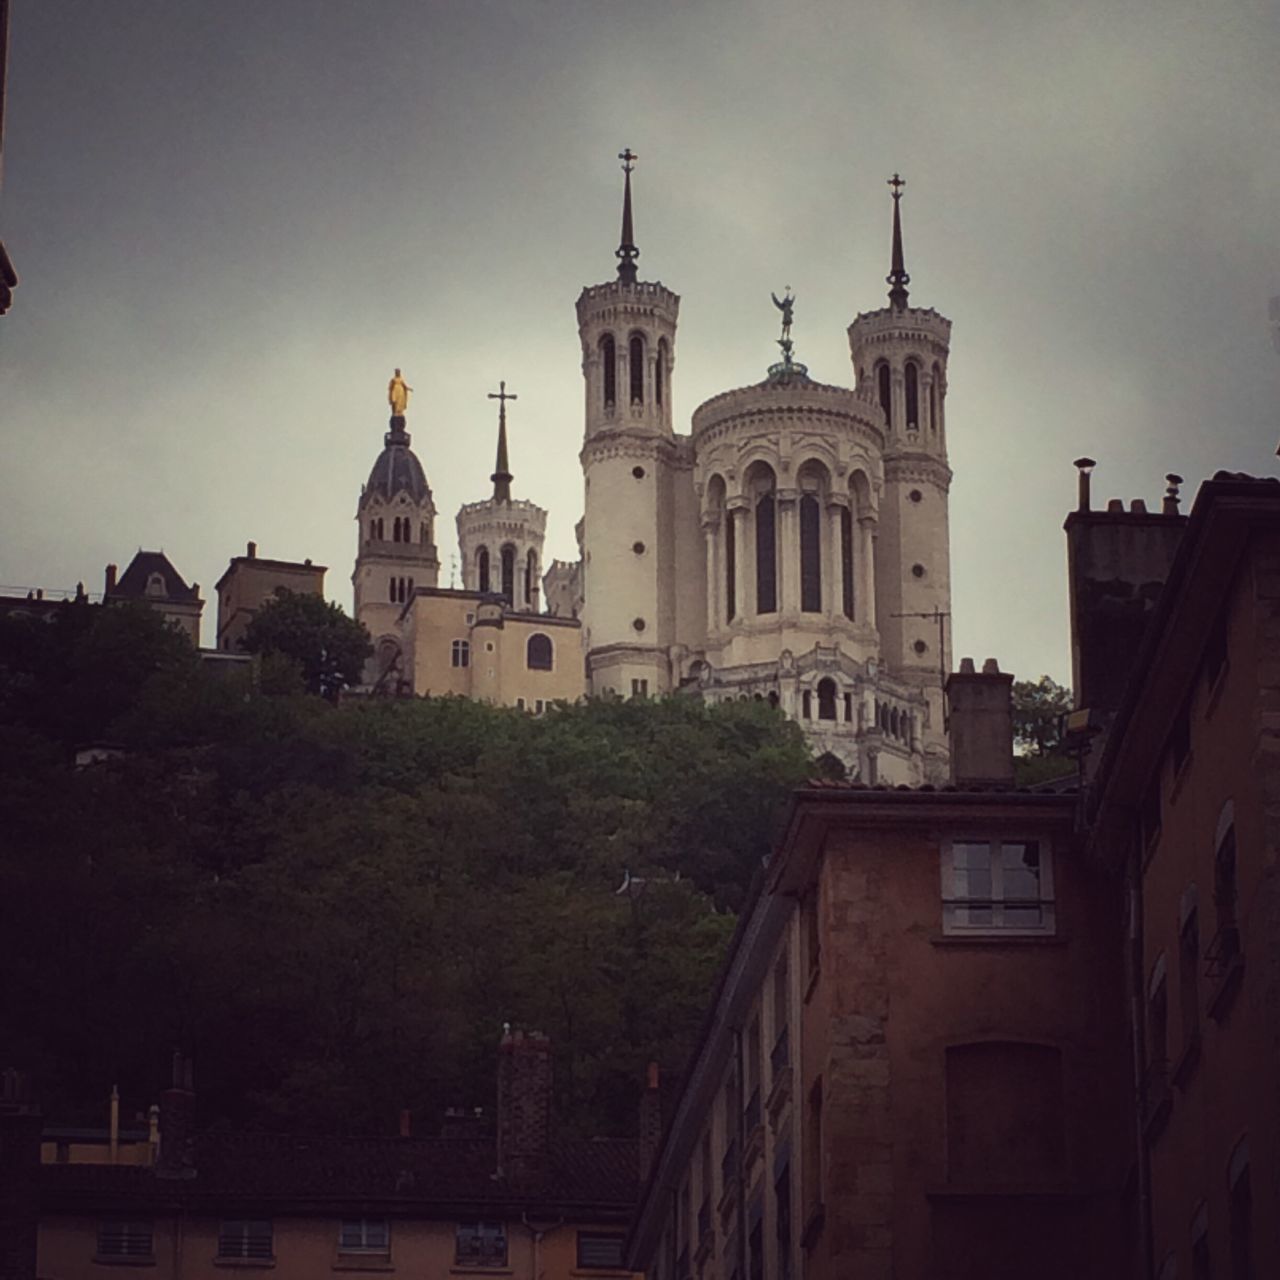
(249, 582)
(152, 580)
(522, 1200)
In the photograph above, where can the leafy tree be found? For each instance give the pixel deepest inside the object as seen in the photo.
(328, 648)
(1038, 706)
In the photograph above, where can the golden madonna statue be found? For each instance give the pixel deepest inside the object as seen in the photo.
(398, 395)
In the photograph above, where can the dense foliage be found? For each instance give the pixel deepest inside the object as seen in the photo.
(335, 908)
(1038, 709)
(325, 649)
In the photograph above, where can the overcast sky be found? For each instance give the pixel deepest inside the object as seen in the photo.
(233, 218)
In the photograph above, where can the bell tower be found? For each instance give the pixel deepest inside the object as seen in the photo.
(629, 457)
(899, 357)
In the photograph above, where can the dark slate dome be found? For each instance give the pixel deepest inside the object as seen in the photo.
(398, 470)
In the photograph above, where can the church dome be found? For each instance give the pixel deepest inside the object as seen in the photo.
(397, 470)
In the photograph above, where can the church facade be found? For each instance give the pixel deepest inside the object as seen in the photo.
(791, 547)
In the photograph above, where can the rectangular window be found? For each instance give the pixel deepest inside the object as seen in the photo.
(125, 1238)
(481, 1244)
(364, 1235)
(461, 653)
(248, 1238)
(600, 1250)
(997, 886)
(640, 688)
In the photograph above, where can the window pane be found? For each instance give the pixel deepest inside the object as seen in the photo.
(599, 1250)
(972, 871)
(1021, 865)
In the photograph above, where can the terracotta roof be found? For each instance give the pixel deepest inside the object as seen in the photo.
(133, 581)
(282, 1172)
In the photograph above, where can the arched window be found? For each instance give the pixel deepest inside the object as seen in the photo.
(806, 701)
(846, 562)
(766, 551)
(730, 567)
(884, 384)
(826, 699)
(659, 372)
(893, 722)
(912, 381)
(509, 573)
(933, 400)
(609, 359)
(848, 708)
(395, 529)
(636, 361)
(773, 698)
(392, 591)
(538, 652)
(482, 569)
(810, 554)
(530, 578)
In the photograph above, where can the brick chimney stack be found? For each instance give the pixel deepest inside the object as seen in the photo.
(650, 1123)
(981, 710)
(20, 1128)
(524, 1106)
(111, 578)
(177, 1123)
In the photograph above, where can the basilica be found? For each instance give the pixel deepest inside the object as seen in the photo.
(791, 546)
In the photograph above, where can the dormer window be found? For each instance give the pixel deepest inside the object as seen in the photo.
(155, 585)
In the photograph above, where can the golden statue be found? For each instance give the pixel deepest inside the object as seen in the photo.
(398, 395)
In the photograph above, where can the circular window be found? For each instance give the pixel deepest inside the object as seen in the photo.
(638, 472)
(638, 624)
(489, 647)
(915, 495)
(638, 548)
(920, 646)
(918, 570)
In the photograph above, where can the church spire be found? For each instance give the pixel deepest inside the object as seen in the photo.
(897, 279)
(502, 469)
(627, 251)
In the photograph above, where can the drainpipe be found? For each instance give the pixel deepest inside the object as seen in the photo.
(536, 1233)
(741, 1126)
(1137, 1022)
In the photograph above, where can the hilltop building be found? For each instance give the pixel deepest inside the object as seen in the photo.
(152, 580)
(249, 582)
(791, 547)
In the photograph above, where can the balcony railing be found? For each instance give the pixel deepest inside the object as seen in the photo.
(729, 1163)
(751, 1112)
(1222, 952)
(781, 1055)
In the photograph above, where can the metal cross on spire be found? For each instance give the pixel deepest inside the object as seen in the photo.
(897, 279)
(502, 470)
(627, 251)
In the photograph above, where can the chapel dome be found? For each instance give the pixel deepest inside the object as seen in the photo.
(397, 470)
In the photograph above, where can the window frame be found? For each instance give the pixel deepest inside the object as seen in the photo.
(365, 1249)
(599, 1236)
(245, 1252)
(460, 654)
(128, 1234)
(952, 904)
(483, 1260)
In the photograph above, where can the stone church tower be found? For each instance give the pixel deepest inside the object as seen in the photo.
(632, 465)
(396, 549)
(501, 537)
(900, 357)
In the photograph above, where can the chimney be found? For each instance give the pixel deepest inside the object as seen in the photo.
(981, 722)
(20, 1128)
(650, 1123)
(177, 1123)
(524, 1106)
(111, 578)
(252, 551)
(1117, 563)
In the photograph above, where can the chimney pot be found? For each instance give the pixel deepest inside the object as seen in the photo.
(1170, 505)
(252, 550)
(1084, 466)
(111, 578)
(1115, 507)
(1138, 507)
(966, 666)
